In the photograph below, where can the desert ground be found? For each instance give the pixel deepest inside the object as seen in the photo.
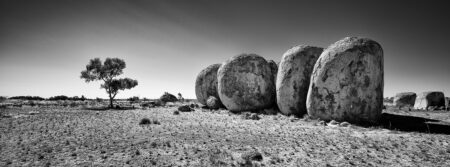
(65, 136)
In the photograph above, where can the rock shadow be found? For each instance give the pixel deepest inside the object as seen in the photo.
(414, 124)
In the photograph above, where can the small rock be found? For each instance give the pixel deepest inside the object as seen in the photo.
(333, 122)
(251, 116)
(321, 123)
(344, 124)
(145, 121)
(156, 122)
(294, 119)
(185, 108)
(193, 105)
(252, 156)
(176, 112)
(213, 103)
(33, 112)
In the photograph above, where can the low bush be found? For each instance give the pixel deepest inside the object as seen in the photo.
(145, 121)
(3, 98)
(167, 97)
(27, 98)
(134, 99)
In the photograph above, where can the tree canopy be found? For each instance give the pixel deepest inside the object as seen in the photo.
(107, 72)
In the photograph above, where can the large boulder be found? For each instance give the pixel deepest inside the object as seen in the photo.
(293, 78)
(405, 99)
(347, 82)
(206, 83)
(246, 83)
(425, 100)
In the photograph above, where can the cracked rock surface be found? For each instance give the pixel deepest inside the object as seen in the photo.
(246, 83)
(347, 82)
(206, 84)
(293, 78)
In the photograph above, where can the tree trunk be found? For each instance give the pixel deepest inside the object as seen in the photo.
(110, 102)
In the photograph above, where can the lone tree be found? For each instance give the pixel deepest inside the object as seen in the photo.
(107, 72)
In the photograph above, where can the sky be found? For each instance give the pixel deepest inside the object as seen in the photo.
(44, 45)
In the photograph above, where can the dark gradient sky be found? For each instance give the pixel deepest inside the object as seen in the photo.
(45, 44)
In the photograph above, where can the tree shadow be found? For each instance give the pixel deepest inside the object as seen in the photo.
(108, 108)
(414, 124)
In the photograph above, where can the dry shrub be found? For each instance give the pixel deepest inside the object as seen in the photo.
(217, 157)
(145, 121)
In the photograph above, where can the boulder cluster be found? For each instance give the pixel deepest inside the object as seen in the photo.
(430, 100)
(343, 82)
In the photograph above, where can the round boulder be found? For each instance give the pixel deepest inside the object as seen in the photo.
(246, 83)
(213, 103)
(293, 78)
(429, 99)
(347, 82)
(405, 99)
(206, 83)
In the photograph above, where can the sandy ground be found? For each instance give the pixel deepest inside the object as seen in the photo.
(75, 137)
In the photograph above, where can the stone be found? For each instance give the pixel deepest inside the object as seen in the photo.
(206, 83)
(344, 124)
(194, 105)
(320, 123)
(245, 83)
(176, 112)
(405, 99)
(251, 116)
(333, 122)
(293, 78)
(252, 155)
(433, 99)
(185, 108)
(347, 82)
(213, 103)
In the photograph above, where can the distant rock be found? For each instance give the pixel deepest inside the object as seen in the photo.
(405, 99)
(206, 83)
(246, 83)
(185, 108)
(213, 103)
(425, 100)
(347, 82)
(293, 78)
